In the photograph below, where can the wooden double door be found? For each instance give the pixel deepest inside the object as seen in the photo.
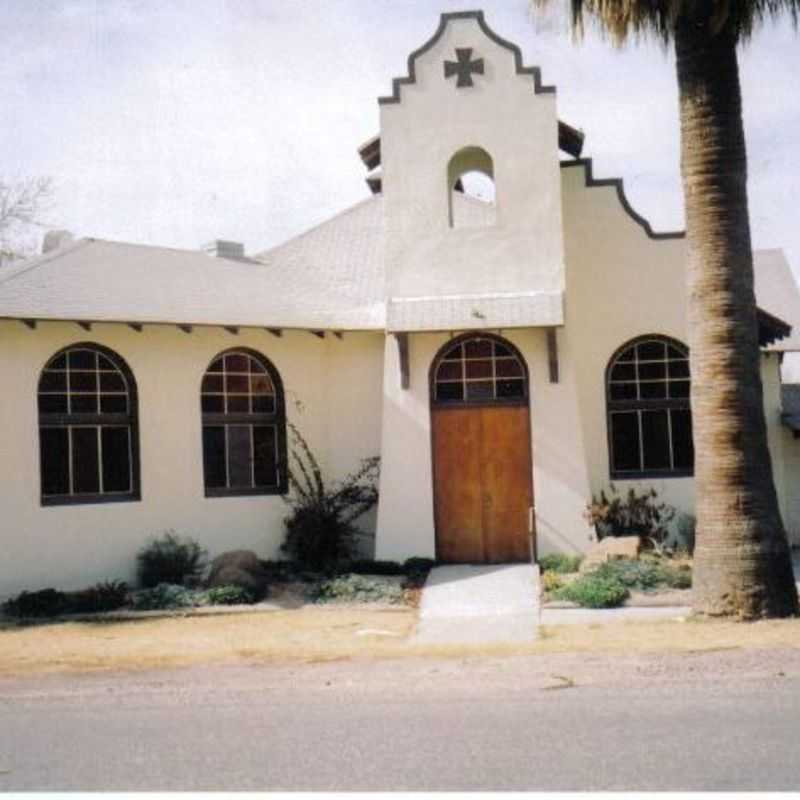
(482, 483)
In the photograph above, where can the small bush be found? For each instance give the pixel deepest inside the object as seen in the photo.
(561, 563)
(632, 515)
(43, 603)
(229, 596)
(320, 529)
(358, 589)
(164, 596)
(551, 581)
(107, 596)
(685, 533)
(645, 575)
(170, 559)
(594, 591)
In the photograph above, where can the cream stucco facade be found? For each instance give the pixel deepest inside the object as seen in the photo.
(352, 316)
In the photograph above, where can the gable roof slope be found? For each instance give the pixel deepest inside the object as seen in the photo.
(329, 278)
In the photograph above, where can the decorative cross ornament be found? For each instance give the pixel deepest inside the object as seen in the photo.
(464, 67)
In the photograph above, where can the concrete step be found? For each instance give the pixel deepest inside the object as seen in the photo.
(480, 604)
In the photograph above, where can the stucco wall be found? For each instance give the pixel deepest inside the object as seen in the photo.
(433, 120)
(560, 479)
(333, 394)
(621, 284)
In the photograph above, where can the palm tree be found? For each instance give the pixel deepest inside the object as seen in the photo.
(742, 564)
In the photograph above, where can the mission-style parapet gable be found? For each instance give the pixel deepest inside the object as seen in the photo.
(469, 108)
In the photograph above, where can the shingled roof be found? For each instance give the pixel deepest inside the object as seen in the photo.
(329, 278)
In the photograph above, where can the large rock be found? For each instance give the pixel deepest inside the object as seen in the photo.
(610, 549)
(238, 568)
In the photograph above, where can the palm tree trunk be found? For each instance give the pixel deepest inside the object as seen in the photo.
(742, 564)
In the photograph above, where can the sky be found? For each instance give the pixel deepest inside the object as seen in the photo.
(178, 122)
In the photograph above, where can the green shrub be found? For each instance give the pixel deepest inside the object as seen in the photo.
(42, 603)
(164, 596)
(107, 596)
(170, 559)
(551, 581)
(320, 530)
(685, 533)
(229, 596)
(646, 574)
(594, 591)
(358, 589)
(632, 515)
(561, 563)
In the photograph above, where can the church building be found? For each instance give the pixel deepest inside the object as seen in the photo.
(493, 320)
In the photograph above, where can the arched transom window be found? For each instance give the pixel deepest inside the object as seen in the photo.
(479, 369)
(244, 427)
(87, 427)
(649, 418)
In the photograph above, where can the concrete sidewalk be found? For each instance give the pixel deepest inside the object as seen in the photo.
(480, 604)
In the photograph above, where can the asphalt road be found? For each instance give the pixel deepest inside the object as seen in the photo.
(717, 721)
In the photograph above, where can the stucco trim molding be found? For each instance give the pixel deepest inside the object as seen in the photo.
(444, 20)
(617, 183)
(475, 312)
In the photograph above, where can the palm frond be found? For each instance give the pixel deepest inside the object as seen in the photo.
(622, 20)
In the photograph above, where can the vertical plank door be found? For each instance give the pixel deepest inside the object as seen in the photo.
(457, 485)
(506, 483)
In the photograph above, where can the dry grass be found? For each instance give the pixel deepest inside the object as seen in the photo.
(313, 635)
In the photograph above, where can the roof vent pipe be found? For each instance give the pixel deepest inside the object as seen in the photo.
(221, 248)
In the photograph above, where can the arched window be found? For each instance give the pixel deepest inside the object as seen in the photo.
(479, 369)
(88, 438)
(470, 183)
(244, 426)
(649, 418)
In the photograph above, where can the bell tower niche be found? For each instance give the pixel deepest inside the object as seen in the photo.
(472, 192)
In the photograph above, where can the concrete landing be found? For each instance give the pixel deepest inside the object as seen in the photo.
(480, 605)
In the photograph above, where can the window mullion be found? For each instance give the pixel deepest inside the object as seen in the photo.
(641, 439)
(251, 428)
(69, 460)
(100, 482)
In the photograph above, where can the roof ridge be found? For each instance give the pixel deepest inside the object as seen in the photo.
(269, 251)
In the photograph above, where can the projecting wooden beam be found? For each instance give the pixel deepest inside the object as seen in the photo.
(552, 354)
(137, 326)
(338, 334)
(402, 352)
(87, 326)
(232, 329)
(185, 328)
(275, 331)
(29, 323)
(318, 334)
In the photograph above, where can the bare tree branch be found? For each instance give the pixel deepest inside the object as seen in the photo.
(22, 204)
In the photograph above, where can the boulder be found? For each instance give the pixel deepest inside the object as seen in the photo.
(610, 549)
(238, 568)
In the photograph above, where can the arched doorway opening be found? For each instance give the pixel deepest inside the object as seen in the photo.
(480, 427)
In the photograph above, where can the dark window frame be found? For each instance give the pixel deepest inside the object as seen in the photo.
(275, 419)
(642, 405)
(99, 420)
(462, 339)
